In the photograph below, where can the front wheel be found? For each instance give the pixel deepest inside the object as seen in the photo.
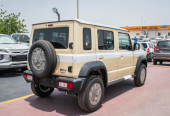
(154, 62)
(91, 97)
(139, 80)
(40, 90)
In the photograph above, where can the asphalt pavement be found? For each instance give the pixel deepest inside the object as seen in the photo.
(13, 85)
(121, 99)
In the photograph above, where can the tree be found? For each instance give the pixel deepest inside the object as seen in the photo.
(15, 25)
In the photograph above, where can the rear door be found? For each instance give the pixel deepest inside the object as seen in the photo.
(59, 34)
(106, 50)
(125, 55)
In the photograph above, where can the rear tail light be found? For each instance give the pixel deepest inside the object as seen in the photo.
(156, 47)
(65, 85)
(148, 50)
(28, 77)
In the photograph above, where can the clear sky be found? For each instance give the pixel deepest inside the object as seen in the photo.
(111, 12)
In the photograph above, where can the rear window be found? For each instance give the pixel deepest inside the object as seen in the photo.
(164, 43)
(58, 37)
(144, 45)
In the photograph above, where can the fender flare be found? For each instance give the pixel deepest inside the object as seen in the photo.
(139, 61)
(89, 66)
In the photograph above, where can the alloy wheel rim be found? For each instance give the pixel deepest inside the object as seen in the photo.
(38, 59)
(143, 73)
(95, 94)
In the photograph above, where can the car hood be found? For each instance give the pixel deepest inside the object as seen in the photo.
(13, 46)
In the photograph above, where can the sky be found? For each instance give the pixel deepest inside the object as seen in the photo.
(118, 13)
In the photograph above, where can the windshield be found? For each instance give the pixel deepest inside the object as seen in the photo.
(144, 45)
(58, 37)
(164, 43)
(7, 40)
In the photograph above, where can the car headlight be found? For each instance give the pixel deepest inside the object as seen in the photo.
(4, 50)
(1, 57)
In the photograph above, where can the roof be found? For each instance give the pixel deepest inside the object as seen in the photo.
(89, 23)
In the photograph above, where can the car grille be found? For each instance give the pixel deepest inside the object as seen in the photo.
(19, 58)
(165, 51)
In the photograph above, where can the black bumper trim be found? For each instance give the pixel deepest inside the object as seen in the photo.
(52, 81)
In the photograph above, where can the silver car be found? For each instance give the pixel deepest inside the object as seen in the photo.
(12, 54)
(162, 52)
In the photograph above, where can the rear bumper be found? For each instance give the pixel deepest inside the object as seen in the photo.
(78, 83)
(161, 56)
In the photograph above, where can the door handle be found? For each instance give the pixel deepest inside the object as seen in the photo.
(100, 57)
(121, 56)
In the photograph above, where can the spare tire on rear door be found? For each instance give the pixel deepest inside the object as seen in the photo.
(42, 58)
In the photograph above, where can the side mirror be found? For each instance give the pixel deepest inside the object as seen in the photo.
(28, 41)
(136, 46)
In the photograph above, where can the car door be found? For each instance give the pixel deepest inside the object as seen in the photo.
(106, 50)
(125, 55)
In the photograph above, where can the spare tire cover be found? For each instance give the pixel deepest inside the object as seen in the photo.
(42, 58)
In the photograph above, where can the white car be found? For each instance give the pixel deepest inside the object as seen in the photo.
(12, 54)
(149, 48)
(22, 38)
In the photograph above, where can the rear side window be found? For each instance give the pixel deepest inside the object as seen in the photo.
(150, 46)
(124, 41)
(87, 39)
(105, 40)
(16, 37)
(144, 45)
(24, 38)
(57, 36)
(164, 44)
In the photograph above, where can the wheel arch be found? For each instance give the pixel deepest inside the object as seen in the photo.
(141, 59)
(90, 67)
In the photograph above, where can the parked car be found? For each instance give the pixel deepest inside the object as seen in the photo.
(154, 42)
(82, 58)
(164, 37)
(162, 52)
(22, 38)
(149, 48)
(12, 54)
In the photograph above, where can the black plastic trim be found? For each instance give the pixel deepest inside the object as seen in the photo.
(88, 67)
(52, 81)
(139, 61)
(116, 81)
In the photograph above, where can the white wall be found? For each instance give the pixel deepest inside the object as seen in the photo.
(151, 33)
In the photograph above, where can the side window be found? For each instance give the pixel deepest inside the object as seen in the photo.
(24, 38)
(150, 45)
(105, 40)
(124, 41)
(16, 37)
(87, 39)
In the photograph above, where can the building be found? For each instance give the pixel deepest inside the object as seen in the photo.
(149, 31)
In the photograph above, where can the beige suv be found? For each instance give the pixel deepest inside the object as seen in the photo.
(82, 58)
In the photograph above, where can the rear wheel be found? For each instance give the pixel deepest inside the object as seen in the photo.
(155, 62)
(91, 97)
(160, 62)
(141, 77)
(40, 90)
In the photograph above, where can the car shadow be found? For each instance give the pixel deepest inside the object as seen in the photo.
(163, 64)
(10, 72)
(68, 104)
